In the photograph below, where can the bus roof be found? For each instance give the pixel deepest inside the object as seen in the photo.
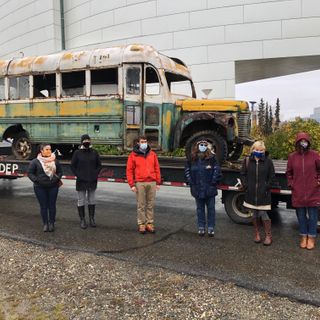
(96, 58)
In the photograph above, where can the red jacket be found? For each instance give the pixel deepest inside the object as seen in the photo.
(303, 174)
(143, 167)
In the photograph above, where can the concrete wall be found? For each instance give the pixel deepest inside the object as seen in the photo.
(209, 35)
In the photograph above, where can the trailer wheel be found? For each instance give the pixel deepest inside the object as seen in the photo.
(22, 148)
(233, 204)
(218, 143)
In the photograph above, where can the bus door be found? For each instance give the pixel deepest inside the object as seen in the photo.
(152, 108)
(132, 104)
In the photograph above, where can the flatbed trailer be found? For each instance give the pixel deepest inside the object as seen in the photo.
(172, 172)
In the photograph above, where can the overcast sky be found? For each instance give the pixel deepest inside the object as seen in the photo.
(299, 93)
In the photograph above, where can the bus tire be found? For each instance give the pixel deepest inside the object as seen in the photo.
(233, 204)
(22, 148)
(214, 138)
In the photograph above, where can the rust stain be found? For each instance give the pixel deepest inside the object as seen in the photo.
(39, 60)
(2, 110)
(67, 56)
(73, 108)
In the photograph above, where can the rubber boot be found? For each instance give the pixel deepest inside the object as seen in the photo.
(303, 242)
(91, 208)
(83, 223)
(267, 229)
(311, 243)
(256, 225)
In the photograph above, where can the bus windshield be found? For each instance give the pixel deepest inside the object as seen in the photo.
(179, 84)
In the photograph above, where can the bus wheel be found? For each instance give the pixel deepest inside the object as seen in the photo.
(218, 144)
(235, 152)
(233, 204)
(22, 147)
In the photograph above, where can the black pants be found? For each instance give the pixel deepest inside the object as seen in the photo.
(47, 198)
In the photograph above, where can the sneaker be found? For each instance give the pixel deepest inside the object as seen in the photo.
(210, 233)
(201, 232)
(45, 228)
(142, 228)
(51, 227)
(150, 228)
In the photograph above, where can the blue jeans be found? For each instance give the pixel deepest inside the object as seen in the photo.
(307, 225)
(201, 213)
(47, 198)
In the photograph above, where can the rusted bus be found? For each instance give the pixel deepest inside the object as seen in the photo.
(113, 94)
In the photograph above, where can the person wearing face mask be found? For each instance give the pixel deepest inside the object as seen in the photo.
(45, 172)
(144, 178)
(202, 173)
(257, 176)
(303, 175)
(86, 165)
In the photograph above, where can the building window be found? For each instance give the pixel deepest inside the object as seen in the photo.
(73, 83)
(2, 90)
(133, 115)
(133, 81)
(152, 82)
(19, 88)
(152, 116)
(104, 81)
(44, 86)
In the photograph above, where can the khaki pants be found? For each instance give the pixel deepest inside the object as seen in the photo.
(146, 192)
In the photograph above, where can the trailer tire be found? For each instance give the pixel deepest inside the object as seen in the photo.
(214, 138)
(233, 204)
(22, 148)
(235, 153)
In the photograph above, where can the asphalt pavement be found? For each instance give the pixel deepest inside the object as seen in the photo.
(283, 268)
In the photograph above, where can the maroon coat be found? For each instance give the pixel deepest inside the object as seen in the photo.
(303, 174)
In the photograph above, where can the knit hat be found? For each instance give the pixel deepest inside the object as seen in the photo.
(85, 137)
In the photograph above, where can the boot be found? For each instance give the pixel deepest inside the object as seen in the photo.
(303, 242)
(311, 243)
(92, 208)
(267, 229)
(256, 225)
(83, 223)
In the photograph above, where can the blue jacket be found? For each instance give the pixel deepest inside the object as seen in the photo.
(203, 175)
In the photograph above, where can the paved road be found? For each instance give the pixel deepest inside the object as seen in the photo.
(282, 269)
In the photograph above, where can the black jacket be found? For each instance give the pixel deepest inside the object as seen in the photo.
(203, 176)
(86, 165)
(257, 179)
(37, 175)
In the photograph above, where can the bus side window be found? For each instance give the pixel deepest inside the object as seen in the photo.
(44, 86)
(104, 81)
(73, 83)
(133, 81)
(152, 82)
(2, 91)
(19, 88)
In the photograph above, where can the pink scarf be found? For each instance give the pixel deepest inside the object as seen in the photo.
(48, 164)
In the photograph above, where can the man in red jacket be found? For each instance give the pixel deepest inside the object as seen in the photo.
(143, 175)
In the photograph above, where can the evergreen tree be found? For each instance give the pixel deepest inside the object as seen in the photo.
(261, 114)
(270, 121)
(265, 129)
(277, 115)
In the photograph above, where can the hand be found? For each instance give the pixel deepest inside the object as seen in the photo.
(134, 189)
(157, 187)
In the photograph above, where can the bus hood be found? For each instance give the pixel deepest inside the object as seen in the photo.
(213, 105)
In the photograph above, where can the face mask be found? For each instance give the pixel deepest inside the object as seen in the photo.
(258, 154)
(86, 144)
(202, 148)
(304, 144)
(143, 146)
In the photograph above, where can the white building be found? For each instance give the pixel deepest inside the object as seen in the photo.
(223, 41)
(316, 114)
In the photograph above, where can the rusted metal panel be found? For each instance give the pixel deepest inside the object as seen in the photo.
(98, 58)
(213, 105)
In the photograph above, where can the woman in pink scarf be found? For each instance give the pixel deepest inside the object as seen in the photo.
(45, 173)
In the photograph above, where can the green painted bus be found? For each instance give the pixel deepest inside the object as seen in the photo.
(113, 94)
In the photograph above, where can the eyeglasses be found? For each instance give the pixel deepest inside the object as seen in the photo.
(203, 145)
